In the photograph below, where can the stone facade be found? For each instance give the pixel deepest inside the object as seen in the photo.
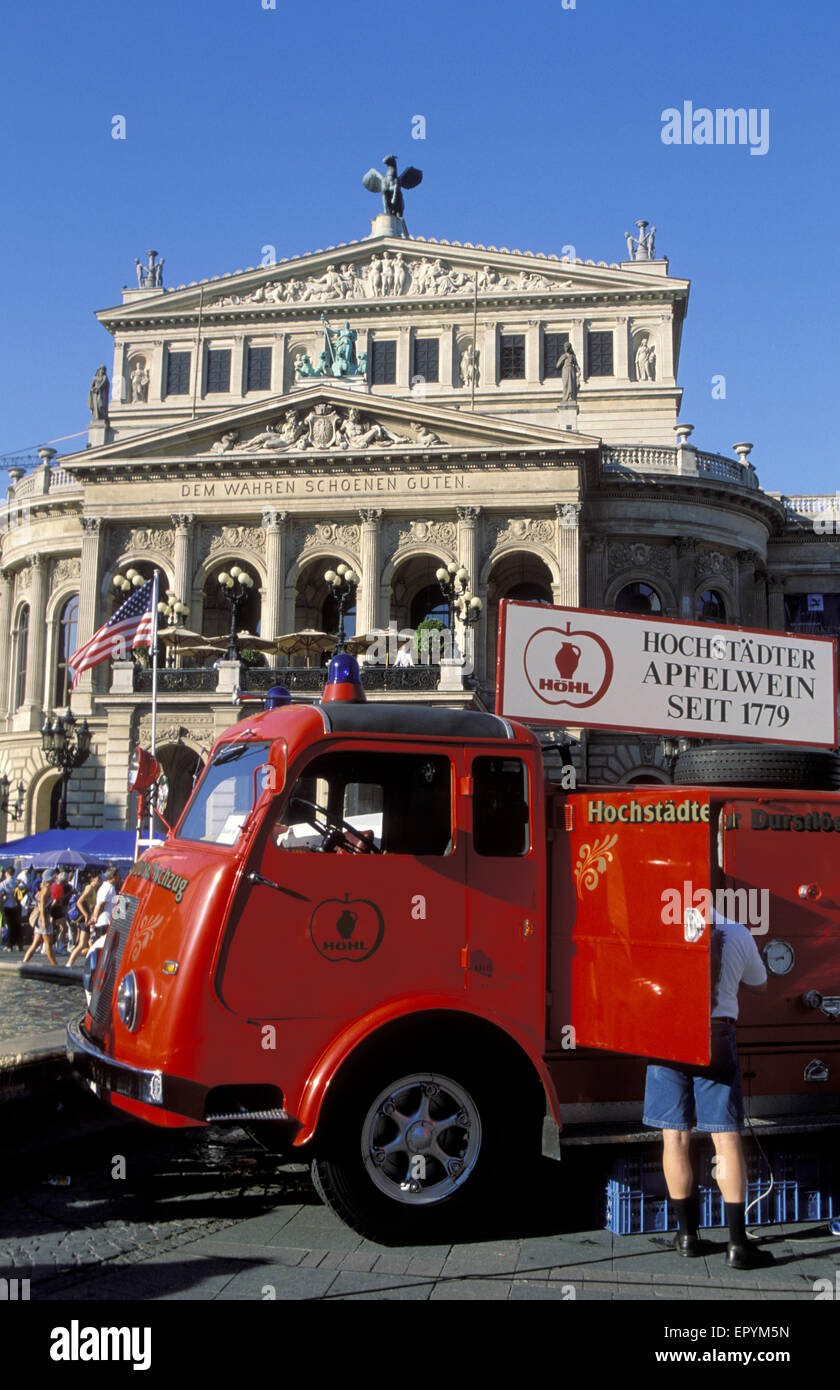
(458, 440)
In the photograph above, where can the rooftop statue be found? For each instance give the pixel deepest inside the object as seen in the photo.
(100, 389)
(641, 248)
(391, 186)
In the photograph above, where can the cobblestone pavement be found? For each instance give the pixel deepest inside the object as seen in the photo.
(149, 1215)
(33, 1006)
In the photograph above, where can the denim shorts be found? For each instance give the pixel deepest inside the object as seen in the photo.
(709, 1098)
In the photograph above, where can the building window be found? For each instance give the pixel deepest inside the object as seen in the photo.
(67, 630)
(818, 614)
(258, 373)
(637, 598)
(218, 370)
(553, 345)
(599, 359)
(710, 607)
(512, 357)
(500, 807)
(426, 360)
(21, 657)
(384, 362)
(429, 603)
(178, 374)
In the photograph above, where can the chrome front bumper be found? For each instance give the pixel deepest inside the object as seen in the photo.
(100, 1073)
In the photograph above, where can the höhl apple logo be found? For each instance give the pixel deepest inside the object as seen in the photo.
(565, 666)
(345, 929)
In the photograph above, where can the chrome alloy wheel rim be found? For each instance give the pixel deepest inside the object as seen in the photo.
(421, 1138)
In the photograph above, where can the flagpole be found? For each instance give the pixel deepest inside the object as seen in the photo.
(154, 688)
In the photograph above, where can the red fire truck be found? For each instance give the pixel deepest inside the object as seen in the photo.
(386, 936)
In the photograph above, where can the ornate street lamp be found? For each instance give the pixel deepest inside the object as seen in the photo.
(15, 811)
(455, 586)
(66, 745)
(342, 581)
(235, 588)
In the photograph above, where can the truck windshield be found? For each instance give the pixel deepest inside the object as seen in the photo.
(225, 794)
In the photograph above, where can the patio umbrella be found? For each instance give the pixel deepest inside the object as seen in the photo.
(61, 859)
(308, 640)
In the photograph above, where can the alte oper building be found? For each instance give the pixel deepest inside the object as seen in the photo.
(394, 404)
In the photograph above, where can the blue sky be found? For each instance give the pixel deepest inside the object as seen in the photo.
(248, 126)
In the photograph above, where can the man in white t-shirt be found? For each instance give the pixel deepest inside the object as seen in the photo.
(105, 899)
(677, 1097)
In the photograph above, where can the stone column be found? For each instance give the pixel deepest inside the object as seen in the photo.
(776, 602)
(275, 564)
(567, 550)
(467, 550)
(622, 349)
(403, 357)
(34, 693)
(182, 557)
(367, 615)
(488, 346)
(744, 586)
(686, 546)
(81, 701)
(5, 628)
(533, 353)
(237, 368)
(596, 570)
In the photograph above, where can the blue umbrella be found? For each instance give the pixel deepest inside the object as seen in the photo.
(61, 858)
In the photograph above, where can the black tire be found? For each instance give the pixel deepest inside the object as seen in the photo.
(379, 1197)
(758, 765)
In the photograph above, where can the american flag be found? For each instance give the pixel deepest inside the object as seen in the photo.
(131, 626)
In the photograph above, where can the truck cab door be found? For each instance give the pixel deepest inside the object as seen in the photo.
(638, 910)
(318, 934)
(506, 881)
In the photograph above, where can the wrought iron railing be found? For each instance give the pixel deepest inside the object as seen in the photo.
(313, 678)
(191, 680)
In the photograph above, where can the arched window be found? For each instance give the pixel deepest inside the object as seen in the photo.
(529, 593)
(65, 646)
(216, 619)
(21, 657)
(637, 598)
(710, 607)
(428, 603)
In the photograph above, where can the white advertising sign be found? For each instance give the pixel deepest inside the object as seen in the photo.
(578, 666)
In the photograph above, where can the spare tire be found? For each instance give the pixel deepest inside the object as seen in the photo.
(758, 765)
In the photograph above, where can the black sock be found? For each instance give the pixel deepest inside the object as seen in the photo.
(687, 1213)
(734, 1212)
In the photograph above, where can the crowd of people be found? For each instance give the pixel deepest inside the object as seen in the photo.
(56, 912)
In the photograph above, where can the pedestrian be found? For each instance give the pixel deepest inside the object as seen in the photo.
(86, 903)
(59, 894)
(11, 911)
(679, 1096)
(105, 898)
(43, 922)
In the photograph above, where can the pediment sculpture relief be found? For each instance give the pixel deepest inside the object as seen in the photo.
(392, 276)
(325, 427)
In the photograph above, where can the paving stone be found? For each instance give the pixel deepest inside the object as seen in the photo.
(471, 1290)
(540, 1290)
(392, 1262)
(360, 1260)
(355, 1284)
(483, 1258)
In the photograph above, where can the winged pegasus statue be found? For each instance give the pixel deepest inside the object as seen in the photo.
(391, 185)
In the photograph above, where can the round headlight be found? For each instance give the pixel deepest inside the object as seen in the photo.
(128, 1001)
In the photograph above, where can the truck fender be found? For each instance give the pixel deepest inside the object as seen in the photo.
(346, 1044)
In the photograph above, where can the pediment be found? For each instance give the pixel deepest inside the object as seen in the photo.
(329, 420)
(392, 269)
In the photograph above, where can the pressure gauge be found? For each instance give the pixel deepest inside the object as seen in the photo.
(778, 957)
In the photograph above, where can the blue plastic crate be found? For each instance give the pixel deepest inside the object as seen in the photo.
(806, 1187)
(637, 1198)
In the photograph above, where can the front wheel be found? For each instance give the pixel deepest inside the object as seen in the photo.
(409, 1156)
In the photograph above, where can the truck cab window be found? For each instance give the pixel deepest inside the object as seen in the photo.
(220, 803)
(403, 801)
(500, 807)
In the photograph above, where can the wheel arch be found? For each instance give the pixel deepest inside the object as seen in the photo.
(442, 1022)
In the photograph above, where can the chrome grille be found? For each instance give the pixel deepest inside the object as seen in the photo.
(112, 954)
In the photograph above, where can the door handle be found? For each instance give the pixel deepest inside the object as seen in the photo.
(278, 887)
